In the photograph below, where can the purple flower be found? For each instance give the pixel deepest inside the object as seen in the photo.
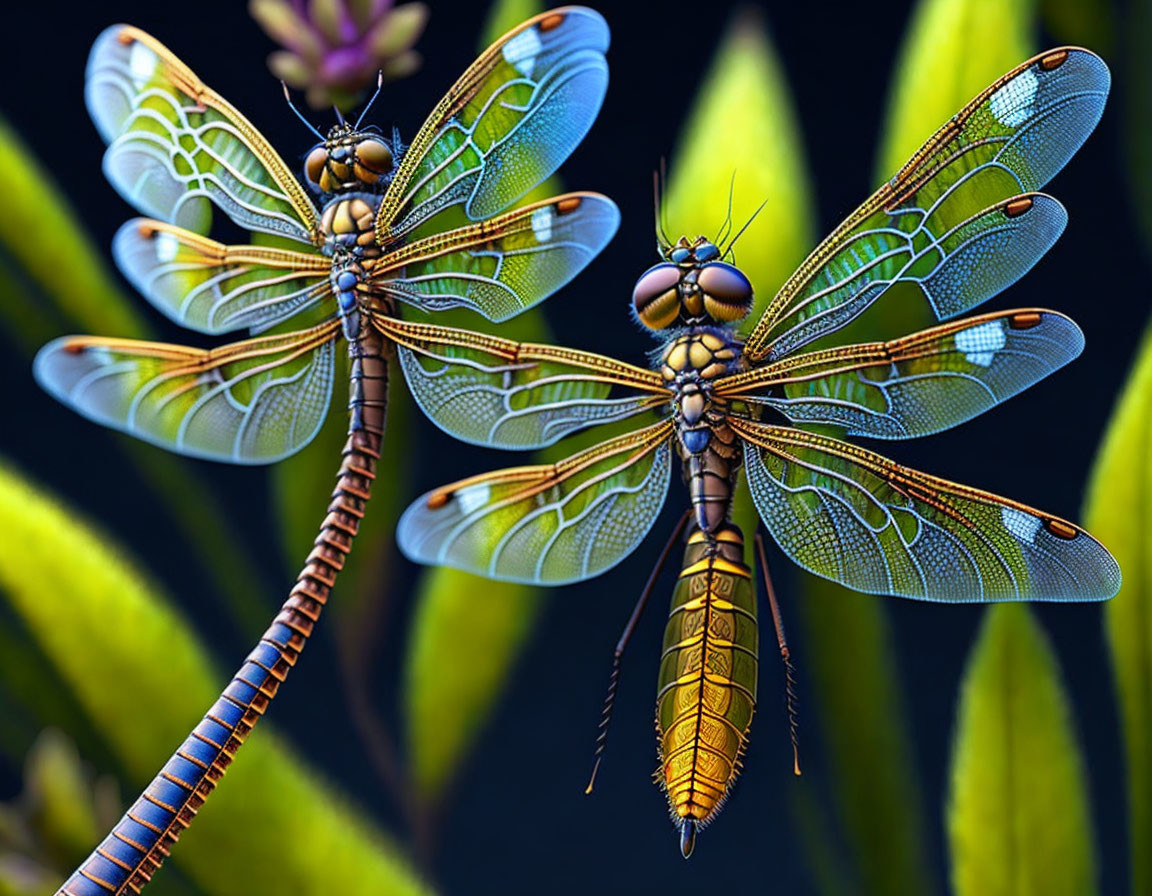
(333, 49)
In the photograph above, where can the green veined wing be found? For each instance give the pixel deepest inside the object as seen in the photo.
(548, 524)
(958, 220)
(492, 391)
(214, 288)
(917, 385)
(249, 402)
(852, 516)
(505, 125)
(504, 265)
(176, 146)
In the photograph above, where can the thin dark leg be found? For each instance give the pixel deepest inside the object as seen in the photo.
(625, 637)
(785, 655)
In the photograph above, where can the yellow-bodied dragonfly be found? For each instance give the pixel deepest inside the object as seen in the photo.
(378, 225)
(960, 222)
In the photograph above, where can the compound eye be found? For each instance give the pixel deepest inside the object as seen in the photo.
(707, 252)
(314, 165)
(727, 292)
(655, 298)
(680, 255)
(374, 155)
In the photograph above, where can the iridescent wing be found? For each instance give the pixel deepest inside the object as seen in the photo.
(492, 391)
(214, 288)
(175, 145)
(952, 221)
(852, 516)
(504, 265)
(506, 124)
(548, 524)
(249, 402)
(916, 385)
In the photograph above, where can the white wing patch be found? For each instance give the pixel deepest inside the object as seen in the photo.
(980, 344)
(167, 246)
(142, 63)
(1012, 103)
(473, 497)
(1023, 525)
(542, 224)
(521, 51)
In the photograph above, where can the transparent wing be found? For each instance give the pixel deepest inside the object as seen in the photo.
(492, 391)
(175, 145)
(513, 117)
(917, 385)
(249, 402)
(215, 288)
(859, 519)
(548, 524)
(952, 221)
(504, 265)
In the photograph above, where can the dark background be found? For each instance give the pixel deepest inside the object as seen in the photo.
(518, 821)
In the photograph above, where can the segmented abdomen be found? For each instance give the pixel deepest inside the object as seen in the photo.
(707, 689)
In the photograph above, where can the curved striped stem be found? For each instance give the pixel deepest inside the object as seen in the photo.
(143, 838)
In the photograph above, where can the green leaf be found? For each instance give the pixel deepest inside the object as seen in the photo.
(504, 15)
(135, 667)
(846, 656)
(744, 93)
(1136, 108)
(1018, 816)
(1118, 511)
(952, 50)
(464, 641)
(1084, 23)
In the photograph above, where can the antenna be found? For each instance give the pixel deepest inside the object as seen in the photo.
(307, 123)
(339, 115)
(662, 241)
(759, 209)
(368, 105)
(727, 225)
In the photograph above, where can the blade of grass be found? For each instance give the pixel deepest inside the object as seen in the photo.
(134, 666)
(1018, 816)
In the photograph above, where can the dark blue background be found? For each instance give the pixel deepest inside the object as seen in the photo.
(518, 821)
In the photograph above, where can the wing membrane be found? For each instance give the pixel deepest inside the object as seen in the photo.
(249, 402)
(502, 266)
(917, 385)
(215, 288)
(1009, 140)
(857, 518)
(548, 524)
(492, 391)
(506, 124)
(175, 145)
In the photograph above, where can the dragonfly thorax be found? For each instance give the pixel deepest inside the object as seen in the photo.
(348, 225)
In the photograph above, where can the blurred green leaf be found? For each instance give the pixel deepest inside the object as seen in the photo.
(1118, 511)
(845, 654)
(1136, 97)
(952, 50)
(744, 93)
(504, 15)
(1018, 817)
(135, 667)
(464, 641)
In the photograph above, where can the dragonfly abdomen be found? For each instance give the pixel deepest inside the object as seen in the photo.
(707, 685)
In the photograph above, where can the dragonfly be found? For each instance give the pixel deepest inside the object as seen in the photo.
(375, 226)
(961, 221)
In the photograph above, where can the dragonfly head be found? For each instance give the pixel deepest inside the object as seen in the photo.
(691, 286)
(348, 159)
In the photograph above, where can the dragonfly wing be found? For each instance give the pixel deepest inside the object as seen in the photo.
(249, 402)
(918, 385)
(548, 524)
(510, 120)
(175, 145)
(214, 288)
(492, 391)
(504, 265)
(852, 516)
(959, 220)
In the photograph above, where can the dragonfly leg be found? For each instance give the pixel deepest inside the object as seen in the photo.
(622, 643)
(785, 654)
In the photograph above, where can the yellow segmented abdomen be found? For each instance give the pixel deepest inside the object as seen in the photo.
(707, 688)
